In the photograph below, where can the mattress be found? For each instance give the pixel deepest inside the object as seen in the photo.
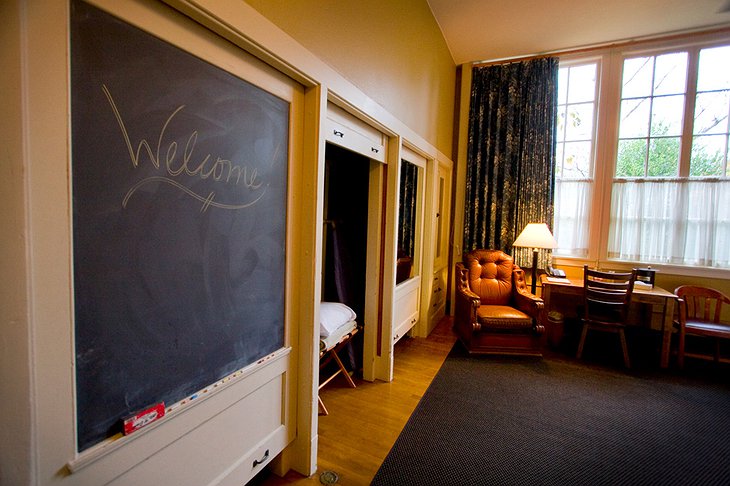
(337, 321)
(337, 335)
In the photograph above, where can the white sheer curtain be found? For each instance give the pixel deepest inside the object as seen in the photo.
(572, 203)
(678, 221)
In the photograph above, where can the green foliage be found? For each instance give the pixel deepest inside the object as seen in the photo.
(631, 158)
(664, 157)
(661, 159)
(703, 164)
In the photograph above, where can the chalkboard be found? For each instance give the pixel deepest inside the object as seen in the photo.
(179, 174)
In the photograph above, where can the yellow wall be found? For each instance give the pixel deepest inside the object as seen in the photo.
(393, 51)
(15, 373)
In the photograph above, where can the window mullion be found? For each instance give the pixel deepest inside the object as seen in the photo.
(606, 147)
(649, 134)
(726, 167)
(689, 110)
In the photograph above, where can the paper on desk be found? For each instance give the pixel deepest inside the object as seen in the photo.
(558, 280)
(642, 285)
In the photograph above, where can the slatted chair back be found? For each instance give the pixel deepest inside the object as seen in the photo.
(607, 295)
(606, 299)
(702, 303)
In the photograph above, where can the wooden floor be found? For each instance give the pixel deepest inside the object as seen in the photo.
(364, 422)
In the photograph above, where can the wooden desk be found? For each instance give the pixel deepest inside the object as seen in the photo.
(656, 296)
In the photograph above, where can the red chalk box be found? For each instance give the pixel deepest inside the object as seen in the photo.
(144, 417)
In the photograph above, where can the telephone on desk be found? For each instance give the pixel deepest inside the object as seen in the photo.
(555, 272)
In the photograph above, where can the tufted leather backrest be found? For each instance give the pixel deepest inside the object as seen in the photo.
(490, 275)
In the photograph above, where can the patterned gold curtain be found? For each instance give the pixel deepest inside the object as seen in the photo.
(510, 178)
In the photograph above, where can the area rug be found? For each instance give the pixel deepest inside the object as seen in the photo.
(553, 421)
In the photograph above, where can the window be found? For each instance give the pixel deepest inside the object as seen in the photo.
(574, 156)
(652, 107)
(710, 132)
(651, 173)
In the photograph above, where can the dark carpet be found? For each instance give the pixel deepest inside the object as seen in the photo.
(556, 421)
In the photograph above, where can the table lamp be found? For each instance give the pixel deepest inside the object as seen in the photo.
(535, 236)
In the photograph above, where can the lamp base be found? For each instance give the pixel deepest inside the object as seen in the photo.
(534, 271)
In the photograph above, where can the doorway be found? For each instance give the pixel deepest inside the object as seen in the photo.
(345, 239)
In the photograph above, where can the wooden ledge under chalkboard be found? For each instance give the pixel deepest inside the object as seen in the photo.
(118, 441)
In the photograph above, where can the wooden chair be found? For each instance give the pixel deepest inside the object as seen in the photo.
(606, 299)
(699, 315)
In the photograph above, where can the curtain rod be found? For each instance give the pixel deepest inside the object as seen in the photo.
(603, 46)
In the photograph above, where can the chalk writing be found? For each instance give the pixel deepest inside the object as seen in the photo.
(172, 165)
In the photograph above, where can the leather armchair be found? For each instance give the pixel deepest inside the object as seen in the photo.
(495, 313)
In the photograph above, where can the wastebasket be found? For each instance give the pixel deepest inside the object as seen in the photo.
(556, 328)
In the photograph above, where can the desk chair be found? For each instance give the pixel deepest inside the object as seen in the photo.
(606, 299)
(699, 315)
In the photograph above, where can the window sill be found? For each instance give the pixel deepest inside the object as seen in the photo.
(664, 269)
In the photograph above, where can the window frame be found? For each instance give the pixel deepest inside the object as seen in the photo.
(572, 62)
(608, 103)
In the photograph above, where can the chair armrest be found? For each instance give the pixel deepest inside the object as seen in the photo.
(465, 311)
(526, 301)
(467, 303)
(469, 295)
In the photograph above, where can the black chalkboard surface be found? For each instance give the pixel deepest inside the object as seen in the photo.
(179, 174)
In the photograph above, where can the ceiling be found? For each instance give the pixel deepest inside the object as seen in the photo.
(483, 30)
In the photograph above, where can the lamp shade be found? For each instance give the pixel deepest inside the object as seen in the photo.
(536, 235)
